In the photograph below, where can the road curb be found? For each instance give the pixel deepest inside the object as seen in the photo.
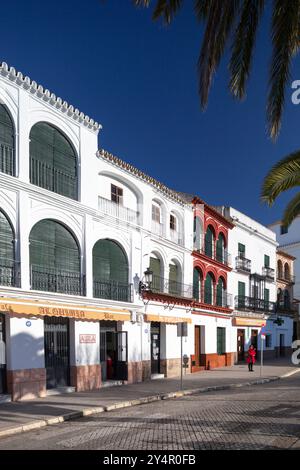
(138, 401)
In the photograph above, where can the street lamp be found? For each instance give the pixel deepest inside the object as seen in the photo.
(145, 284)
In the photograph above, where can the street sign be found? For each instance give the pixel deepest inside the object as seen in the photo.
(182, 329)
(263, 336)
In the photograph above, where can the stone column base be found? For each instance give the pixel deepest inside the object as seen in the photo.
(138, 371)
(85, 378)
(170, 367)
(26, 384)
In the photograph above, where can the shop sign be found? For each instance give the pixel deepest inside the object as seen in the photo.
(87, 339)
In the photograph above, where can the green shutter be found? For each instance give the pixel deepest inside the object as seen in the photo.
(241, 250)
(267, 261)
(6, 241)
(53, 162)
(220, 248)
(196, 284)
(267, 295)
(7, 150)
(109, 262)
(221, 340)
(53, 248)
(220, 290)
(241, 294)
(208, 289)
(174, 286)
(156, 269)
(209, 237)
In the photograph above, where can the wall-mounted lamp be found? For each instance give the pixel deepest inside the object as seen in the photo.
(145, 283)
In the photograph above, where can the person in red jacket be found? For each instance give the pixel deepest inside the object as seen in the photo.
(251, 357)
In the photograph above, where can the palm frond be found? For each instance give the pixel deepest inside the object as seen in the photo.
(220, 19)
(243, 45)
(202, 8)
(285, 40)
(283, 176)
(167, 9)
(292, 210)
(141, 3)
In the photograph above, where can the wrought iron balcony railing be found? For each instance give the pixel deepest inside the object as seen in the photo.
(243, 264)
(176, 237)
(7, 159)
(9, 273)
(113, 290)
(286, 307)
(161, 285)
(269, 273)
(48, 177)
(206, 296)
(251, 303)
(117, 211)
(157, 228)
(52, 280)
(285, 277)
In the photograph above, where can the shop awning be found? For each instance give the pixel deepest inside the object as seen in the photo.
(164, 319)
(42, 308)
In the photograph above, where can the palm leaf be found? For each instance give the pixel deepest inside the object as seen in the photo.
(292, 210)
(285, 39)
(220, 19)
(283, 176)
(243, 45)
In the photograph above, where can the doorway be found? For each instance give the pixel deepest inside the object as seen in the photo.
(155, 348)
(241, 345)
(254, 337)
(2, 355)
(57, 352)
(113, 352)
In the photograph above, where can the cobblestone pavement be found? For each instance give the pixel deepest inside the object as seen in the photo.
(259, 417)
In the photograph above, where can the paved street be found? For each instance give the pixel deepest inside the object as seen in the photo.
(258, 417)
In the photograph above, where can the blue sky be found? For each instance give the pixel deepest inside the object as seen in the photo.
(138, 79)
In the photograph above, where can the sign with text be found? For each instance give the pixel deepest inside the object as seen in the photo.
(87, 339)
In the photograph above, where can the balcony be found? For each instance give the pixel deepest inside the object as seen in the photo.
(220, 256)
(7, 159)
(116, 210)
(52, 280)
(268, 273)
(243, 264)
(48, 177)
(9, 273)
(160, 285)
(157, 228)
(113, 290)
(176, 237)
(253, 304)
(286, 307)
(285, 277)
(206, 297)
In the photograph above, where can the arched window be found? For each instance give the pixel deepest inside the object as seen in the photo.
(54, 259)
(286, 272)
(110, 271)
(197, 284)
(221, 291)
(7, 142)
(209, 242)
(53, 161)
(7, 252)
(279, 269)
(220, 248)
(209, 289)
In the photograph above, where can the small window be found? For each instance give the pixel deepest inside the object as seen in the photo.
(173, 222)
(117, 194)
(221, 340)
(283, 229)
(241, 250)
(155, 213)
(268, 341)
(267, 261)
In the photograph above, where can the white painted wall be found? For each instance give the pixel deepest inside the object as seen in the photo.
(82, 354)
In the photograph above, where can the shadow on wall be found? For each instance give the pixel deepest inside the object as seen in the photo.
(25, 352)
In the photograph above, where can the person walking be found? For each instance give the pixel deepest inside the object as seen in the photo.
(251, 358)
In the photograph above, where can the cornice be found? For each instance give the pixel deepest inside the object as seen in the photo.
(47, 96)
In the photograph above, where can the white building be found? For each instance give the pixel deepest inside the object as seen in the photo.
(253, 284)
(78, 230)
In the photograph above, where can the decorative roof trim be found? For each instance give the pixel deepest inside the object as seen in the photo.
(284, 253)
(101, 153)
(45, 95)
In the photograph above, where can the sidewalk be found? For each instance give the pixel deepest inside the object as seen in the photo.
(27, 415)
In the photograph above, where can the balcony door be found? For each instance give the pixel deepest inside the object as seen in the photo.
(7, 252)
